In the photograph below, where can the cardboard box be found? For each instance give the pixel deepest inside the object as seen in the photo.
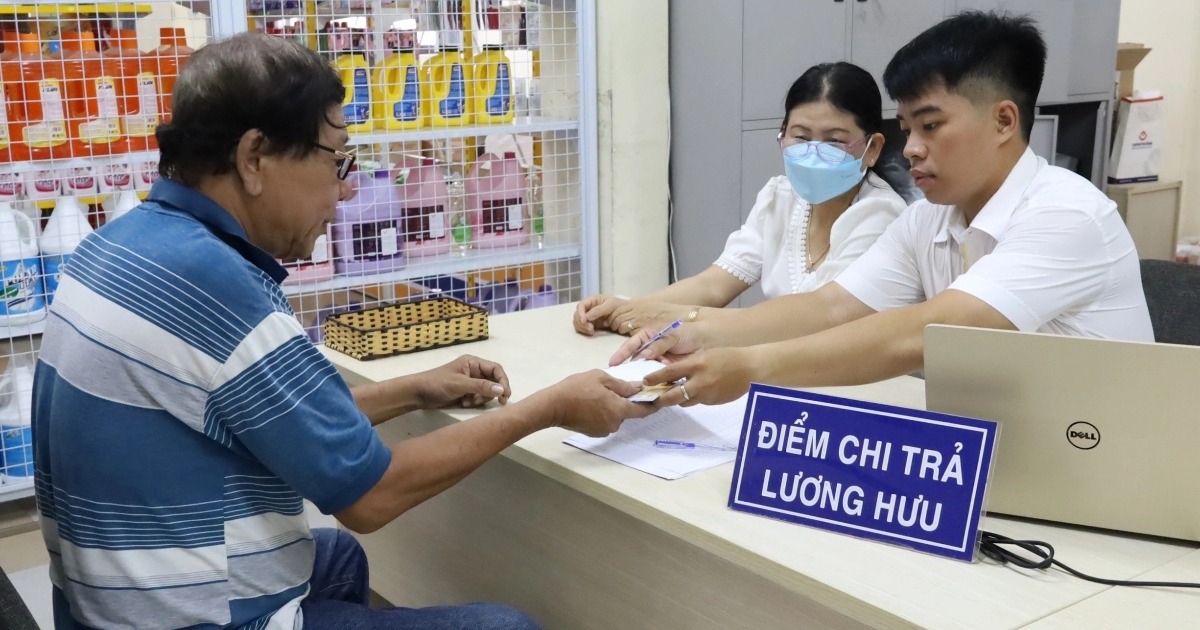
(1128, 57)
(1137, 147)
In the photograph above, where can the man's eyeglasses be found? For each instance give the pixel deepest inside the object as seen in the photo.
(344, 162)
(832, 152)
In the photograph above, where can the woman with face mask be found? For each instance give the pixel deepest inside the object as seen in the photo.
(805, 227)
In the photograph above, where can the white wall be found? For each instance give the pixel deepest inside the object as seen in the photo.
(1170, 28)
(634, 130)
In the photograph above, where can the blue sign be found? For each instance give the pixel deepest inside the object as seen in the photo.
(896, 475)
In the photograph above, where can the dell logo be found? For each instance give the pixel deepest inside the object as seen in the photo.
(1083, 435)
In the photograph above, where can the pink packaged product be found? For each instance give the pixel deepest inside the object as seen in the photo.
(114, 177)
(145, 173)
(316, 268)
(366, 232)
(12, 187)
(496, 202)
(424, 205)
(79, 181)
(43, 184)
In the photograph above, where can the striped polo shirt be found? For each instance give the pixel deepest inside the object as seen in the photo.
(180, 415)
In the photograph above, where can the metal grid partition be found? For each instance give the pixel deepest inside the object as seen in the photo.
(465, 116)
(473, 124)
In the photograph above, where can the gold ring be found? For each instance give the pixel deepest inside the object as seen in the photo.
(683, 388)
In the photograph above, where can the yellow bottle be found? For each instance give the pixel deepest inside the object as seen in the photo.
(397, 93)
(448, 82)
(356, 105)
(492, 87)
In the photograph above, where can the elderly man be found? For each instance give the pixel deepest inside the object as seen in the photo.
(181, 415)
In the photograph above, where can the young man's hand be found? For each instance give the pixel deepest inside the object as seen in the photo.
(711, 377)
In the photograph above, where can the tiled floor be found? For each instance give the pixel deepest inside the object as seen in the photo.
(24, 559)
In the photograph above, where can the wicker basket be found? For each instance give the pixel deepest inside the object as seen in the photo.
(401, 328)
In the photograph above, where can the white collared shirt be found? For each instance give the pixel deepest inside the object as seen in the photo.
(1048, 251)
(771, 245)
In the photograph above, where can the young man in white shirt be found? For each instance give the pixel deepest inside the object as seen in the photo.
(1003, 240)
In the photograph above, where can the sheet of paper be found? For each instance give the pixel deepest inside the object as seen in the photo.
(633, 444)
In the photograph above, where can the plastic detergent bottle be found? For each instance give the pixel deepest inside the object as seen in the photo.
(318, 267)
(355, 73)
(44, 130)
(496, 201)
(366, 231)
(491, 81)
(169, 59)
(447, 79)
(424, 205)
(397, 93)
(12, 110)
(460, 222)
(93, 97)
(16, 416)
(138, 79)
(67, 227)
(126, 200)
(20, 269)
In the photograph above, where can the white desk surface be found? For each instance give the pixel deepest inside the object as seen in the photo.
(871, 582)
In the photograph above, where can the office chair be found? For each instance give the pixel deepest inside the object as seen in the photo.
(1173, 296)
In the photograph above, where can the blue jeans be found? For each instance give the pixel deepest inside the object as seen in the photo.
(339, 592)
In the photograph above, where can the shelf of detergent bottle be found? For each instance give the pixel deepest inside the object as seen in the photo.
(449, 264)
(7, 7)
(13, 487)
(66, 164)
(298, 8)
(520, 125)
(22, 331)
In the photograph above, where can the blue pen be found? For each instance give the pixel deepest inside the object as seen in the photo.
(692, 445)
(662, 333)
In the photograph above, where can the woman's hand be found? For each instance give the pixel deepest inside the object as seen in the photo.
(625, 316)
(713, 377)
(594, 311)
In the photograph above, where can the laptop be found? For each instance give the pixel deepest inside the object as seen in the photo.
(1092, 432)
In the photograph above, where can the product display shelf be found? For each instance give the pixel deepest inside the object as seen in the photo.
(124, 9)
(449, 264)
(70, 163)
(520, 125)
(14, 488)
(22, 331)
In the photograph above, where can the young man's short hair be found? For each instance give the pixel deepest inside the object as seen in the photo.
(985, 57)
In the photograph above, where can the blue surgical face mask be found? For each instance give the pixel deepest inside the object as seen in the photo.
(817, 178)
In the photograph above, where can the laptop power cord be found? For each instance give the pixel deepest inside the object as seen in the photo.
(996, 547)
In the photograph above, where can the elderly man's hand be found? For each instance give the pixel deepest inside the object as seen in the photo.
(593, 403)
(467, 381)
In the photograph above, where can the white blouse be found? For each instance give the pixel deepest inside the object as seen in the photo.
(770, 247)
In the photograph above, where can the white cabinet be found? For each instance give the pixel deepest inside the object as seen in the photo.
(878, 28)
(783, 39)
(771, 58)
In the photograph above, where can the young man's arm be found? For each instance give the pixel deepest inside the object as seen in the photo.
(778, 319)
(865, 350)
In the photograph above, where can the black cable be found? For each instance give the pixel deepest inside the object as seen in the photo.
(993, 546)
